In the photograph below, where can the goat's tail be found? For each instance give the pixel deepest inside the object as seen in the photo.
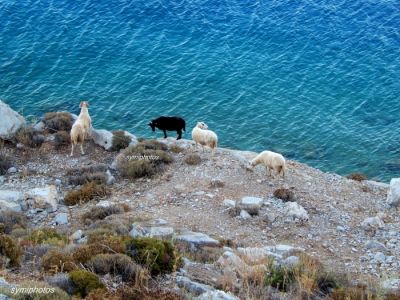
(282, 170)
(213, 144)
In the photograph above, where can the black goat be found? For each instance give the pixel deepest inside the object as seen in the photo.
(169, 123)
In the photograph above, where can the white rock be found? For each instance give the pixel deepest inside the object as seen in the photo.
(104, 203)
(61, 218)
(229, 261)
(12, 170)
(216, 295)
(137, 231)
(11, 121)
(197, 239)
(373, 222)
(43, 198)
(11, 196)
(77, 235)
(229, 203)
(8, 205)
(102, 138)
(159, 232)
(134, 140)
(375, 245)
(296, 211)
(393, 197)
(244, 215)
(291, 261)
(39, 126)
(251, 204)
(391, 284)
(1, 179)
(192, 287)
(380, 257)
(110, 178)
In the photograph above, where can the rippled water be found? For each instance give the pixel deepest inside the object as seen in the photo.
(318, 81)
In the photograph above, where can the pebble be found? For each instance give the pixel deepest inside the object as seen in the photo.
(12, 170)
(61, 219)
(244, 215)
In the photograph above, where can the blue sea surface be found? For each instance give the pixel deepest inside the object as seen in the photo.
(317, 80)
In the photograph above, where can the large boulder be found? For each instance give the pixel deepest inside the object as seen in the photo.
(296, 211)
(10, 200)
(102, 138)
(196, 239)
(251, 204)
(393, 197)
(11, 121)
(43, 198)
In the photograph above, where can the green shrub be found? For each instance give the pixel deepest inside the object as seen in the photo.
(29, 137)
(54, 292)
(11, 219)
(156, 255)
(5, 163)
(55, 261)
(120, 140)
(279, 277)
(87, 192)
(47, 236)
(85, 282)
(143, 160)
(9, 250)
(61, 138)
(117, 265)
(100, 213)
(58, 121)
(284, 194)
(357, 176)
(192, 159)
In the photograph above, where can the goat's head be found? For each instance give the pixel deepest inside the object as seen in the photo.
(84, 104)
(202, 125)
(153, 124)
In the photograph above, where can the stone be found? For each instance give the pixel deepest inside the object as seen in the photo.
(192, 287)
(244, 215)
(61, 219)
(374, 245)
(160, 232)
(159, 222)
(6, 205)
(12, 170)
(77, 235)
(393, 196)
(229, 203)
(137, 231)
(11, 200)
(373, 222)
(39, 126)
(11, 121)
(216, 295)
(62, 281)
(104, 203)
(340, 229)
(380, 257)
(296, 211)
(2, 179)
(391, 284)
(57, 182)
(229, 261)
(134, 140)
(291, 261)
(102, 138)
(251, 204)
(197, 239)
(43, 198)
(110, 178)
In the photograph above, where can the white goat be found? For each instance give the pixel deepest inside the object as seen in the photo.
(271, 161)
(203, 136)
(81, 128)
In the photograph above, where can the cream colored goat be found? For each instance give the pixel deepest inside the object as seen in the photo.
(203, 136)
(81, 128)
(271, 161)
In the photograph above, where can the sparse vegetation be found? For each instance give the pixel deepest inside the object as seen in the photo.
(87, 192)
(5, 163)
(100, 212)
(29, 286)
(11, 220)
(88, 169)
(156, 255)
(144, 160)
(10, 252)
(176, 149)
(284, 194)
(58, 121)
(29, 137)
(48, 236)
(55, 261)
(120, 140)
(192, 159)
(98, 177)
(85, 282)
(357, 176)
(61, 139)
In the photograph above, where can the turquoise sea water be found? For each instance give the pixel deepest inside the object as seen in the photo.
(318, 81)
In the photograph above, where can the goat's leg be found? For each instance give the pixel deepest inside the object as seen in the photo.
(83, 152)
(72, 150)
(165, 134)
(179, 134)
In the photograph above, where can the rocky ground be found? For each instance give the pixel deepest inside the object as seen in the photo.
(346, 224)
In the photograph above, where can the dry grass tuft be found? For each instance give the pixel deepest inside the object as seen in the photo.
(192, 159)
(61, 138)
(100, 213)
(58, 121)
(285, 195)
(55, 261)
(29, 137)
(120, 140)
(87, 192)
(10, 252)
(11, 220)
(357, 176)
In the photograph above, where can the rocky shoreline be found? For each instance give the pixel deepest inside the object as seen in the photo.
(227, 222)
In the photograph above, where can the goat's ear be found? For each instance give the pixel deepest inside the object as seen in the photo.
(81, 104)
(87, 104)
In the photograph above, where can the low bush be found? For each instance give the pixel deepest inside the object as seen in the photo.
(285, 195)
(55, 261)
(55, 293)
(29, 137)
(98, 177)
(61, 139)
(115, 225)
(143, 160)
(353, 293)
(5, 163)
(192, 159)
(87, 192)
(62, 281)
(88, 169)
(48, 236)
(117, 265)
(11, 220)
(279, 277)
(10, 252)
(100, 213)
(176, 149)
(120, 140)
(357, 176)
(85, 282)
(156, 255)
(58, 121)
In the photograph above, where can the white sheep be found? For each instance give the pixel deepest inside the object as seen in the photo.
(271, 161)
(81, 128)
(203, 136)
